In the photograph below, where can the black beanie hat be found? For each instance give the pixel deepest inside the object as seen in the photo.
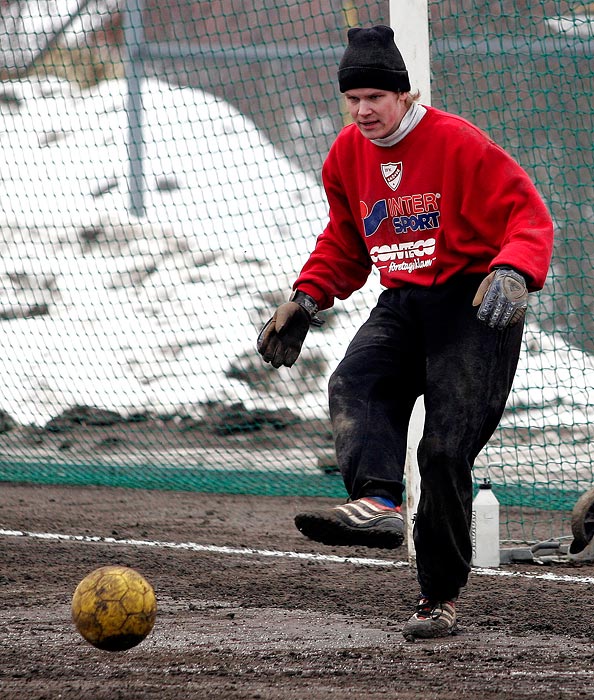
(372, 60)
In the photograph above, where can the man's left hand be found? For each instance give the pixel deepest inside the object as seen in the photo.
(502, 298)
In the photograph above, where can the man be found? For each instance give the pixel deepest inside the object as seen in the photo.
(452, 223)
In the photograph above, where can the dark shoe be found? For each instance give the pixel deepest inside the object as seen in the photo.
(432, 619)
(365, 522)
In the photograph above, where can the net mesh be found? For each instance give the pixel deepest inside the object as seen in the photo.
(161, 190)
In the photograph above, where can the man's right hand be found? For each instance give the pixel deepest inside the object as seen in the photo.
(281, 338)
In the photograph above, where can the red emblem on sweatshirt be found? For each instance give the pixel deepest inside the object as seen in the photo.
(392, 173)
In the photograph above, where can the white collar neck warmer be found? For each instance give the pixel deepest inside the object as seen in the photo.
(408, 123)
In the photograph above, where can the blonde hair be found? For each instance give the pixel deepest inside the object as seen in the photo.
(412, 97)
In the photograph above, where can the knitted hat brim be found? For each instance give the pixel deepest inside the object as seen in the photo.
(355, 77)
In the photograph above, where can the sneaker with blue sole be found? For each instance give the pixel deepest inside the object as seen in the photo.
(366, 522)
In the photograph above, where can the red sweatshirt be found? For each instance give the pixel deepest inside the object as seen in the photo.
(443, 201)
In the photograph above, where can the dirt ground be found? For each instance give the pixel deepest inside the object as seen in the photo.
(248, 608)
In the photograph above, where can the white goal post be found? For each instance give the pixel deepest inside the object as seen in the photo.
(410, 21)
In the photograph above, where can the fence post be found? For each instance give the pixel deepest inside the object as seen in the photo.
(133, 61)
(410, 21)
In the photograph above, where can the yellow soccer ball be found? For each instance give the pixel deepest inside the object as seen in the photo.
(114, 608)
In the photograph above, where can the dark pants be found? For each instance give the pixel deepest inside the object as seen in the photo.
(424, 341)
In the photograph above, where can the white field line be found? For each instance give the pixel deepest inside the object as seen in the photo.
(244, 551)
(194, 547)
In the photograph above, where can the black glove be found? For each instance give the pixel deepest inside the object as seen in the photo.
(503, 298)
(280, 341)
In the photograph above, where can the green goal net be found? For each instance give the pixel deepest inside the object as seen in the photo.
(160, 191)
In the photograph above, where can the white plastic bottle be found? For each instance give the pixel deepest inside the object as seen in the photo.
(485, 527)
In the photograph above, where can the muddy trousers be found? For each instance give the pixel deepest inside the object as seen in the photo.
(424, 341)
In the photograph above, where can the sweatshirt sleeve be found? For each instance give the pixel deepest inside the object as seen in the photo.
(340, 263)
(503, 204)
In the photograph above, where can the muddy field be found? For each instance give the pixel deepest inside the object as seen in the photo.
(248, 608)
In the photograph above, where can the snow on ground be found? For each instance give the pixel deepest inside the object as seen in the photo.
(151, 313)
(162, 313)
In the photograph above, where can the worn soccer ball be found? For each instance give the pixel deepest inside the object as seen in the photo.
(114, 608)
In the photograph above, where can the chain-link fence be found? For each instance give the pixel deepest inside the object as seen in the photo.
(160, 191)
